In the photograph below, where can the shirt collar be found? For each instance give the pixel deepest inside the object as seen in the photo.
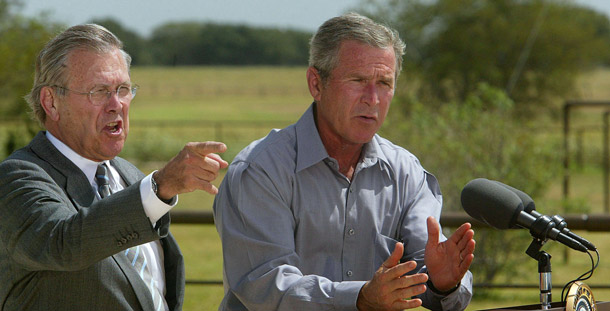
(373, 154)
(87, 166)
(311, 150)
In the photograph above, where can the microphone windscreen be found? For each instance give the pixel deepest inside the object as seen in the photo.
(491, 203)
(528, 202)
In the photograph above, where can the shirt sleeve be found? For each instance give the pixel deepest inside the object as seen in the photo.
(154, 208)
(256, 224)
(456, 300)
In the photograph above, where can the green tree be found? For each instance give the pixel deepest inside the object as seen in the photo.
(20, 41)
(175, 43)
(190, 43)
(479, 137)
(133, 43)
(533, 49)
(19, 47)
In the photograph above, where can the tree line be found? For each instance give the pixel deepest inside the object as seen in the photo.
(193, 43)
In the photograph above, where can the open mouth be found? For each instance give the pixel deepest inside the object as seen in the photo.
(114, 127)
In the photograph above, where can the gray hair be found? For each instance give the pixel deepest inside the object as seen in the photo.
(52, 61)
(324, 45)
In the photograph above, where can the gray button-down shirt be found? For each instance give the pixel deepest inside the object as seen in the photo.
(298, 235)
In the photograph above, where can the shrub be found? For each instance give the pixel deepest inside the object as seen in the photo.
(480, 137)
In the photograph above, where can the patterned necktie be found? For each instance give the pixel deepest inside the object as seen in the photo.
(134, 254)
(139, 262)
(101, 176)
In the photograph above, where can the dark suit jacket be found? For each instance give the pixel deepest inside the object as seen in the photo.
(61, 250)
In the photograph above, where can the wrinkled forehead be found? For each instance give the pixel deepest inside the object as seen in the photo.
(92, 67)
(359, 55)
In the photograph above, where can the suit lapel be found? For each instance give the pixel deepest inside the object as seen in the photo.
(72, 179)
(126, 171)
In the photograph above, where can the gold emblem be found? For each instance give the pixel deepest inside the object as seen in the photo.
(580, 298)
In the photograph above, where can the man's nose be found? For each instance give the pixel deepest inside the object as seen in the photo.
(114, 103)
(370, 94)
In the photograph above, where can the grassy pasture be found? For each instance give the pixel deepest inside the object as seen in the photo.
(220, 93)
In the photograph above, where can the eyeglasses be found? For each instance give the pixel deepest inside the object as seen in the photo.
(100, 95)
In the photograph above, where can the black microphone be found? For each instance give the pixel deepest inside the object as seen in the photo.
(501, 208)
(528, 202)
(560, 223)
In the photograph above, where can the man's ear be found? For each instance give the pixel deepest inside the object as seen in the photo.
(314, 82)
(49, 101)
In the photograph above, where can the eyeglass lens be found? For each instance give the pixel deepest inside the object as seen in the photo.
(100, 96)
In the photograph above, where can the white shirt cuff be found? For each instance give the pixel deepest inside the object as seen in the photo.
(153, 206)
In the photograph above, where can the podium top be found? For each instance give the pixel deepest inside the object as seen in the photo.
(555, 306)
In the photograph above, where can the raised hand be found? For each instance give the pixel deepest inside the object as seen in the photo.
(194, 167)
(448, 261)
(390, 289)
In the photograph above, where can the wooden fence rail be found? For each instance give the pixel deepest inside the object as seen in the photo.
(586, 222)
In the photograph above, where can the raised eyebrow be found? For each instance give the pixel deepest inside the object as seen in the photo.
(357, 76)
(108, 86)
(100, 86)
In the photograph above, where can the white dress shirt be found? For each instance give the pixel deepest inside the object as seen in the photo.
(153, 206)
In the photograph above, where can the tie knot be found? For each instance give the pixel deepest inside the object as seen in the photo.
(101, 177)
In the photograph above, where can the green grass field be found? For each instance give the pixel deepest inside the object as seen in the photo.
(240, 104)
(220, 93)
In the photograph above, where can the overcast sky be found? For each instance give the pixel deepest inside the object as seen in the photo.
(143, 16)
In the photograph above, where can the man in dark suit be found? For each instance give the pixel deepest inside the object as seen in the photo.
(80, 228)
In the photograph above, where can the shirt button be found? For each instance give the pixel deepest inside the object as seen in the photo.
(351, 232)
(349, 273)
(351, 190)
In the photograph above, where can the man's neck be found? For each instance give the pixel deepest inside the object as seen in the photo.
(347, 155)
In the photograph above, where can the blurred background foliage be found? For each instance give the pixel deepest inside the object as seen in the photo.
(480, 136)
(530, 49)
(481, 78)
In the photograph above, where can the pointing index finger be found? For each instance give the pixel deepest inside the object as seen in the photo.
(207, 147)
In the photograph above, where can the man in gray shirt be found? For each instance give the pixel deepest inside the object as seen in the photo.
(326, 214)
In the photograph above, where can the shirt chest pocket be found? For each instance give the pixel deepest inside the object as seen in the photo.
(384, 246)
